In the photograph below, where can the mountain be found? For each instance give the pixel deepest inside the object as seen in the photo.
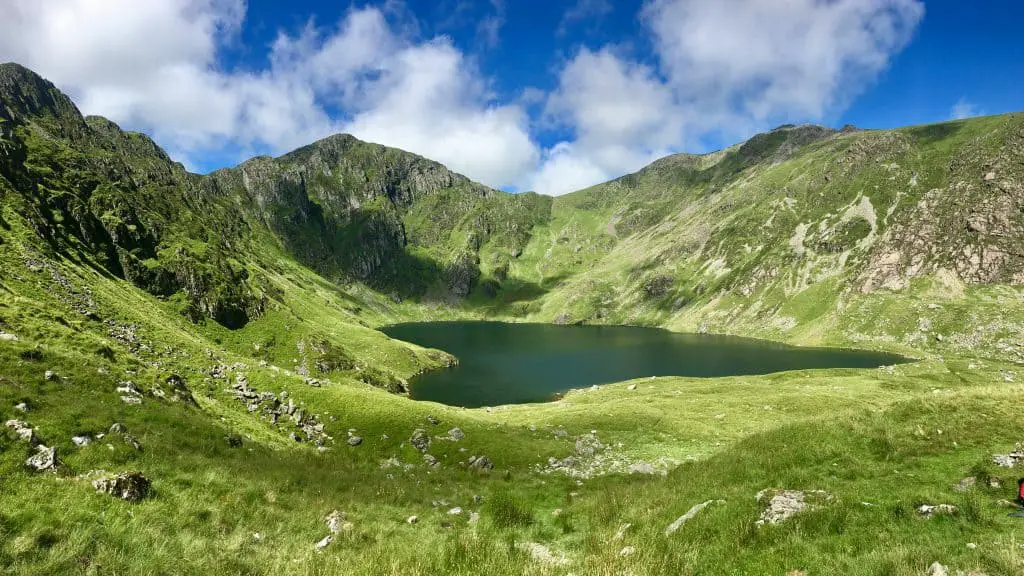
(208, 346)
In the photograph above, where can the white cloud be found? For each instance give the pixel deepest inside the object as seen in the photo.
(725, 67)
(964, 109)
(622, 115)
(720, 67)
(591, 11)
(154, 66)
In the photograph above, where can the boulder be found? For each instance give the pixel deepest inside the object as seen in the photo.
(783, 504)
(49, 375)
(456, 434)
(81, 440)
(23, 430)
(128, 486)
(44, 460)
(482, 463)
(355, 440)
(420, 440)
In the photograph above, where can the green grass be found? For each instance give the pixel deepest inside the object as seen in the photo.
(115, 265)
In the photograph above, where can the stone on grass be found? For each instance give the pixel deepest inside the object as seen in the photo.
(631, 387)
(456, 434)
(481, 463)
(128, 486)
(430, 461)
(937, 569)
(324, 542)
(355, 440)
(420, 440)
(474, 517)
(23, 430)
(81, 440)
(543, 554)
(7, 337)
(433, 420)
(50, 375)
(1010, 460)
(412, 520)
(334, 520)
(44, 460)
(133, 400)
(929, 510)
(627, 551)
(690, 514)
(117, 428)
(784, 504)
(21, 407)
(455, 511)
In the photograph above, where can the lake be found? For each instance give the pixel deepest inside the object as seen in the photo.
(503, 363)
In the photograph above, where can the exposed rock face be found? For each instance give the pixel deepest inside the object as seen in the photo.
(784, 504)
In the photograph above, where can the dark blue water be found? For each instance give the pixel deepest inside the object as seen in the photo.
(501, 363)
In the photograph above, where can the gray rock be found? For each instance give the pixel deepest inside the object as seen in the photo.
(81, 440)
(678, 523)
(474, 517)
(132, 441)
(334, 521)
(937, 569)
(23, 430)
(420, 440)
(456, 434)
(21, 407)
(627, 551)
(433, 420)
(50, 375)
(128, 486)
(589, 445)
(355, 440)
(324, 543)
(117, 428)
(45, 459)
(133, 400)
(430, 461)
(482, 463)
(930, 510)
(783, 504)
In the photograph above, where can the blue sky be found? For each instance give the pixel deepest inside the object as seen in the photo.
(529, 95)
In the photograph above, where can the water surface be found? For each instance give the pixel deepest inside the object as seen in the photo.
(502, 363)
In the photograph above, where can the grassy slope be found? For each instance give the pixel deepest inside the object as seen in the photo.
(894, 440)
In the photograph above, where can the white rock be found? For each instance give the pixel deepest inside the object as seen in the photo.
(21, 407)
(631, 387)
(627, 551)
(688, 516)
(455, 511)
(4, 336)
(937, 569)
(412, 520)
(324, 543)
(81, 440)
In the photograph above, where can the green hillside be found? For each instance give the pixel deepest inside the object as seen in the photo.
(217, 335)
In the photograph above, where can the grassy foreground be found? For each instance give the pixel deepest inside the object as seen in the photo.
(159, 322)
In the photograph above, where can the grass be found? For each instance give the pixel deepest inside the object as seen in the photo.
(690, 243)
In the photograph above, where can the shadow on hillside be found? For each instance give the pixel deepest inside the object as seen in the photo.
(935, 132)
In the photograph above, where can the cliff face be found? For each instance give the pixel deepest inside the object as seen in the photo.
(339, 206)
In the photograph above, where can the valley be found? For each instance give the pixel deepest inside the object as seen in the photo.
(224, 336)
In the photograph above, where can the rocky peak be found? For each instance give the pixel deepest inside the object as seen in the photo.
(28, 97)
